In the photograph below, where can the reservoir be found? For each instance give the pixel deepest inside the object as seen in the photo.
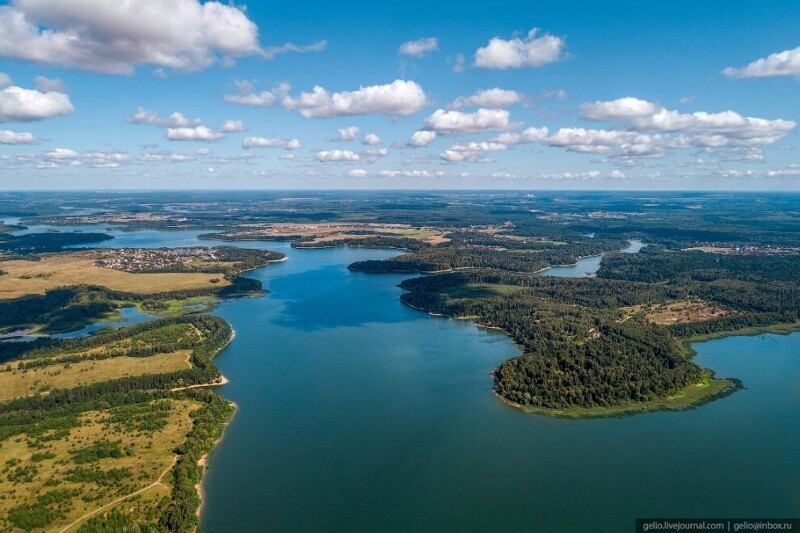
(357, 413)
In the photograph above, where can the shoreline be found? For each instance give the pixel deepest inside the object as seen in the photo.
(722, 387)
(203, 463)
(731, 385)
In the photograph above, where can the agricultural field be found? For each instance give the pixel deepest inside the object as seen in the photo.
(22, 277)
(15, 381)
(680, 312)
(311, 234)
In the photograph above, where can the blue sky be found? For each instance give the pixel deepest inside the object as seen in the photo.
(545, 95)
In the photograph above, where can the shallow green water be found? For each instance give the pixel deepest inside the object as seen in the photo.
(359, 414)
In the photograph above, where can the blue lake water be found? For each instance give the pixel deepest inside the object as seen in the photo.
(588, 266)
(356, 413)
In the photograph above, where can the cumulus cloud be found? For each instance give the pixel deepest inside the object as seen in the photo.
(533, 50)
(26, 105)
(358, 173)
(371, 139)
(373, 154)
(348, 134)
(115, 37)
(646, 129)
(420, 47)
(786, 63)
(471, 151)
(232, 126)
(399, 98)
(5, 80)
(621, 108)
(247, 95)
(335, 156)
(165, 157)
(489, 98)
(421, 138)
(12, 137)
(196, 133)
(411, 173)
(61, 154)
(456, 122)
(263, 142)
(148, 116)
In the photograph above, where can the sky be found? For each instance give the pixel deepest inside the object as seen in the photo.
(183, 94)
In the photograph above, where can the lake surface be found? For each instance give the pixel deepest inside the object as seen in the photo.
(357, 413)
(588, 266)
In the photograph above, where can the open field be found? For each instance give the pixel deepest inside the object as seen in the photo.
(15, 383)
(322, 233)
(22, 278)
(681, 312)
(481, 290)
(52, 479)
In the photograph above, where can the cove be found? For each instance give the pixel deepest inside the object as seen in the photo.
(357, 413)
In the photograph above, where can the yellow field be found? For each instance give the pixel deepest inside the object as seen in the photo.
(46, 464)
(681, 312)
(62, 270)
(15, 383)
(336, 231)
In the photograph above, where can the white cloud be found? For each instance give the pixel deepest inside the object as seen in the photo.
(61, 154)
(371, 139)
(531, 51)
(348, 134)
(148, 116)
(263, 142)
(196, 133)
(373, 154)
(647, 129)
(455, 122)
(273, 51)
(421, 138)
(26, 105)
(786, 63)
(471, 151)
(503, 175)
(530, 135)
(232, 126)
(203, 151)
(489, 98)
(335, 156)
(12, 137)
(620, 109)
(399, 98)
(115, 37)
(5, 80)
(247, 96)
(686, 100)
(617, 174)
(411, 173)
(358, 173)
(420, 47)
(166, 157)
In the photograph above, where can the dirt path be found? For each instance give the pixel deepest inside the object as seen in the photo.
(122, 498)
